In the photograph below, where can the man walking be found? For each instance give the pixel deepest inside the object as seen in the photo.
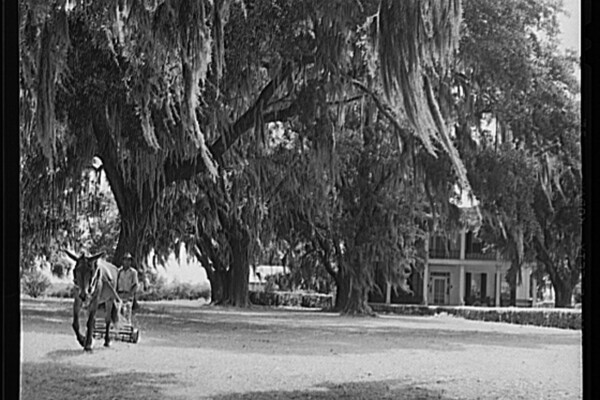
(127, 280)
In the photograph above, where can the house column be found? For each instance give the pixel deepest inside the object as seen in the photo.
(498, 286)
(534, 290)
(461, 278)
(426, 273)
(463, 243)
(461, 286)
(388, 293)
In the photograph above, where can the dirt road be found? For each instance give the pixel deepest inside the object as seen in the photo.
(192, 352)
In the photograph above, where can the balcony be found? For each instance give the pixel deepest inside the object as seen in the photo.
(445, 254)
(480, 256)
(448, 248)
(455, 255)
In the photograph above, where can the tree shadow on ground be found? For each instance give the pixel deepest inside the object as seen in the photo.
(51, 380)
(258, 331)
(41, 313)
(387, 389)
(274, 324)
(67, 353)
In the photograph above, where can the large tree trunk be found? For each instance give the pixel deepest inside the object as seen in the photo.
(134, 220)
(221, 284)
(341, 276)
(563, 278)
(563, 287)
(342, 293)
(563, 295)
(239, 269)
(358, 299)
(132, 229)
(358, 296)
(216, 272)
(357, 302)
(134, 207)
(217, 287)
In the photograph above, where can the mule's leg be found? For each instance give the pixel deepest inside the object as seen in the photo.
(108, 312)
(90, 327)
(76, 308)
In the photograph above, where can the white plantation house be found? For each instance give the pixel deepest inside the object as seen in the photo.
(459, 272)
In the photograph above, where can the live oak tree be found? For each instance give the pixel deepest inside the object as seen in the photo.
(526, 165)
(160, 91)
(355, 264)
(352, 205)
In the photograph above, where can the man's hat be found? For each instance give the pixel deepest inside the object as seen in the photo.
(128, 255)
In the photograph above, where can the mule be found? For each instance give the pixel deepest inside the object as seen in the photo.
(95, 281)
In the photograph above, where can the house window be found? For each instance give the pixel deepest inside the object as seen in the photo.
(483, 284)
(445, 246)
(476, 288)
(467, 287)
(474, 247)
(468, 241)
(505, 293)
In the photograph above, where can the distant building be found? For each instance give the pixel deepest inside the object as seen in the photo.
(259, 274)
(458, 272)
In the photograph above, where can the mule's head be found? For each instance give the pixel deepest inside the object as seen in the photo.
(85, 274)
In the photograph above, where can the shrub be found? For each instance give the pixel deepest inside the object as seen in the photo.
(64, 293)
(291, 299)
(564, 319)
(61, 268)
(270, 286)
(34, 283)
(160, 290)
(277, 282)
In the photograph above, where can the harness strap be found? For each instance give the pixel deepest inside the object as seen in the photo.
(112, 288)
(94, 281)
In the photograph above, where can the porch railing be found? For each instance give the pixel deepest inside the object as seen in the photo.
(480, 256)
(455, 255)
(442, 253)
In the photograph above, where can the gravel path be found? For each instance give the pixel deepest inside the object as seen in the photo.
(191, 352)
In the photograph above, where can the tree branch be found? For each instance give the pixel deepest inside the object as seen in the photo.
(106, 150)
(204, 260)
(175, 171)
(345, 101)
(382, 108)
(325, 257)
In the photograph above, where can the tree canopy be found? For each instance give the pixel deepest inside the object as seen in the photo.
(185, 102)
(158, 92)
(522, 99)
